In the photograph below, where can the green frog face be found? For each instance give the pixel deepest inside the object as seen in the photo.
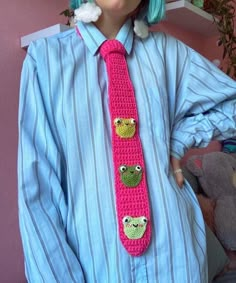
(134, 227)
(131, 176)
(125, 128)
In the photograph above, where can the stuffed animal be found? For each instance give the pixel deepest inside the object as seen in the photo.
(216, 174)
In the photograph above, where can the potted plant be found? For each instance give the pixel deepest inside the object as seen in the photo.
(223, 12)
(69, 14)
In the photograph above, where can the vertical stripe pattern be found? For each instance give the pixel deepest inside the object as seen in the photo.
(66, 200)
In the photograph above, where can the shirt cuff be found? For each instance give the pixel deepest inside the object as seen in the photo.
(178, 148)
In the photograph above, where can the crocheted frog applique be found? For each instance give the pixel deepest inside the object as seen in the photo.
(134, 227)
(125, 128)
(131, 176)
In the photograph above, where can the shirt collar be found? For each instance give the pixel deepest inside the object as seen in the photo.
(93, 38)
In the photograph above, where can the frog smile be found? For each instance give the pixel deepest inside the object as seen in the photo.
(134, 227)
(131, 176)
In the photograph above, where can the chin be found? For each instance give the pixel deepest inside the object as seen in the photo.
(118, 7)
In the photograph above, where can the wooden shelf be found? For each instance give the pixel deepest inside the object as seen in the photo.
(25, 40)
(185, 15)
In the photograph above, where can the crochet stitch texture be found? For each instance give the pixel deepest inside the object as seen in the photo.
(131, 203)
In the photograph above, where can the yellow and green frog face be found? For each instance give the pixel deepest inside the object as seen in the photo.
(131, 176)
(134, 227)
(125, 128)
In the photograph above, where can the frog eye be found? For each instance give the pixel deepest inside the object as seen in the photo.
(144, 220)
(132, 121)
(122, 168)
(138, 168)
(126, 219)
(117, 121)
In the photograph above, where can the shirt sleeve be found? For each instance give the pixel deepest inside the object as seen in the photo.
(205, 105)
(41, 198)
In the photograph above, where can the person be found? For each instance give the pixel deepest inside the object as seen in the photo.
(67, 209)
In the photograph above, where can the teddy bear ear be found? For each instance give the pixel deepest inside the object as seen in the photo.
(194, 165)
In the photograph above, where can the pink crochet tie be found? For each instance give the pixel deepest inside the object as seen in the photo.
(130, 181)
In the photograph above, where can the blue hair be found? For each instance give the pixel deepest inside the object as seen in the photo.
(154, 12)
(74, 4)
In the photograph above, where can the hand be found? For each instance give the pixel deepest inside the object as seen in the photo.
(175, 163)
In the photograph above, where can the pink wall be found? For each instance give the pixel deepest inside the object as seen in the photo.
(20, 18)
(17, 18)
(193, 40)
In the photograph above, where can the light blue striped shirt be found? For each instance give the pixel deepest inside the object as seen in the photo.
(66, 183)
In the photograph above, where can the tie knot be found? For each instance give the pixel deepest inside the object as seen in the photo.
(111, 46)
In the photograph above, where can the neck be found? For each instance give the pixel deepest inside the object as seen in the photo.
(110, 25)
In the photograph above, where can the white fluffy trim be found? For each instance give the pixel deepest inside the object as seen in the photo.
(141, 29)
(87, 13)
